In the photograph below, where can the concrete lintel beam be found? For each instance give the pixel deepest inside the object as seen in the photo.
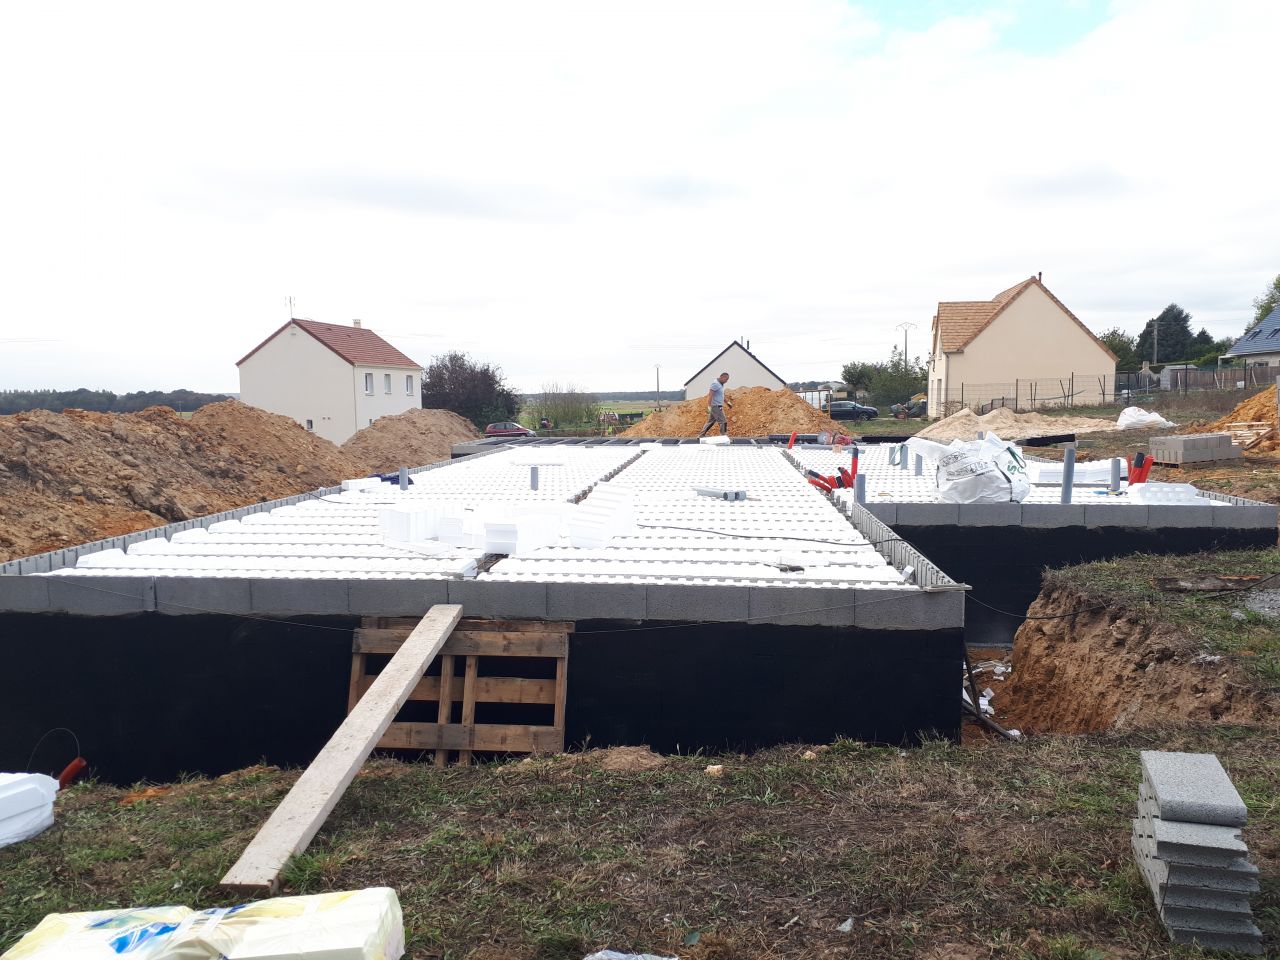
(597, 601)
(500, 599)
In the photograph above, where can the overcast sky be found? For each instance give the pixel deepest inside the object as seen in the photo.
(579, 192)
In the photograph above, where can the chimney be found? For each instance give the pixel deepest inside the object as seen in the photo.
(1039, 276)
(356, 324)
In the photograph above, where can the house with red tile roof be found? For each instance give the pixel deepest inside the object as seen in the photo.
(1022, 348)
(333, 379)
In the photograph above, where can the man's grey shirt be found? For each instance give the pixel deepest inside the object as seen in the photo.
(717, 393)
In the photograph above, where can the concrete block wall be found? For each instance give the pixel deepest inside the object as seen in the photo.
(1187, 840)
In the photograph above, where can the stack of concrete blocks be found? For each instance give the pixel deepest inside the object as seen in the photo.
(1194, 448)
(1187, 842)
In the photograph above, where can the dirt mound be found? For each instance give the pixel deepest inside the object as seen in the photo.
(1007, 425)
(1092, 670)
(1260, 408)
(756, 412)
(410, 439)
(72, 477)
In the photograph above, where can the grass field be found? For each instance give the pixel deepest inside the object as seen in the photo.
(994, 850)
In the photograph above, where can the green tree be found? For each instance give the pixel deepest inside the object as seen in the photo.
(858, 375)
(1213, 351)
(1263, 305)
(473, 390)
(565, 406)
(897, 380)
(1124, 346)
(1174, 340)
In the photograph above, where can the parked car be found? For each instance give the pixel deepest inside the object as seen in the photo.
(849, 410)
(508, 428)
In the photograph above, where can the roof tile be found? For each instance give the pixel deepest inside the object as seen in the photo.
(356, 345)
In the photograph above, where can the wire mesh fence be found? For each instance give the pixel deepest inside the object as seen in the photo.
(1095, 390)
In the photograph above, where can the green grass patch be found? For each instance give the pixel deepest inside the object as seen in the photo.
(1001, 849)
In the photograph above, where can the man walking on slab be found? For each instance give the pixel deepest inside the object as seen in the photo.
(715, 406)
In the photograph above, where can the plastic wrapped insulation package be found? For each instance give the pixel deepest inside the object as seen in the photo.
(26, 805)
(352, 925)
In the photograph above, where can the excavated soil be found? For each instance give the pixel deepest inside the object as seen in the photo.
(1260, 408)
(410, 439)
(1100, 670)
(1007, 425)
(72, 477)
(756, 412)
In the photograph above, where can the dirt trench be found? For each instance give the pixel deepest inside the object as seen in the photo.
(1104, 670)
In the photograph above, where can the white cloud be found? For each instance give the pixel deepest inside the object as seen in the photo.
(580, 191)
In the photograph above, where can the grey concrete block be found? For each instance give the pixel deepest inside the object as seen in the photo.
(1192, 787)
(20, 594)
(1045, 515)
(299, 597)
(395, 598)
(693, 601)
(886, 513)
(1115, 515)
(990, 514)
(1168, 515)
(500, 599)
(101, 596)
(191, 595)
(1243, 878)
(1197, 843)
(1261, 516)
(1195, 898)
(829, 607)
(928, 514)
(1208, 921)
(595, 601)
(1230, 942)
(37, 564)
(909, 610)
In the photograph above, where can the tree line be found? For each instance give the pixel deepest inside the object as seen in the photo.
(103, 401)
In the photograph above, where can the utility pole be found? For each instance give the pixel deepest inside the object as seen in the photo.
(657, 385)
(904, 326)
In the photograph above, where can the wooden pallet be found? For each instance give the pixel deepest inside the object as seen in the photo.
(1246, 435)
(461, 683)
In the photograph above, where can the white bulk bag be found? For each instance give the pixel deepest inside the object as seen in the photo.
(982, 471)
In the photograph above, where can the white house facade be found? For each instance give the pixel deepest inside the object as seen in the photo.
(1021, 348)
(332, 379)
(744, 369)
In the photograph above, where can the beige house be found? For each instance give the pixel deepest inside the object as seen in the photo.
(332, 379)
(743, 367)
(1022, 348)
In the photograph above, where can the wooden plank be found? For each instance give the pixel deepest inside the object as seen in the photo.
(497, 737)
(475, 623)
(562, 688)
(1259, 438)
(467, 643)
(357, 685)
(488, 689)
(444, 714)
(468, 707)
(300, 814)
(507, 626)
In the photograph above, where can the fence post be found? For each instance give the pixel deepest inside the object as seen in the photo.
(1015, 393)
(1072, 401)
(962, 396)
